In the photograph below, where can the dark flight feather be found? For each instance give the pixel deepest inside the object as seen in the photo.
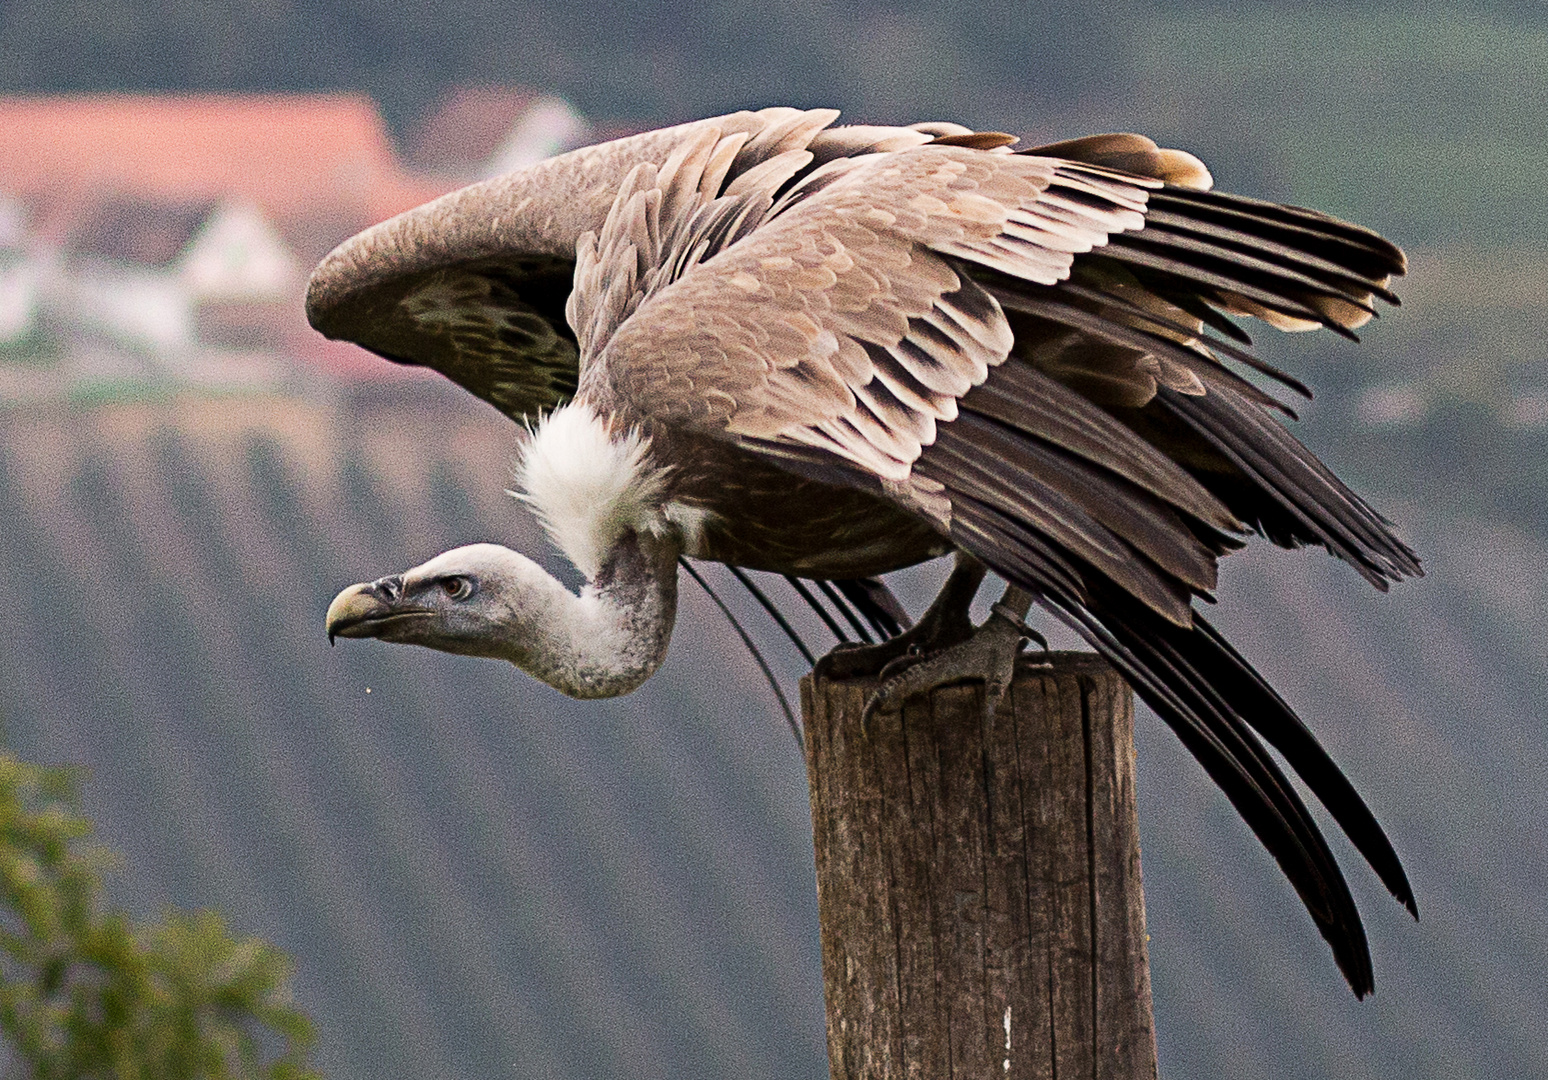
(816, 605)
(972, 458)
(1272, 717)
(756, 653)
(1264, 249)
(1166, 259)
(1274, 278)
(1050, 305)
(1024, 398)
(872, 598)
(1328, 511)
(838, 600)
(774, 613)
(1178, 682)
(1200, 686)
(1146, 651)
(1357, 246)
(1119, 303)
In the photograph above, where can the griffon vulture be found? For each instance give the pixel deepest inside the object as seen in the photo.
(831, 352)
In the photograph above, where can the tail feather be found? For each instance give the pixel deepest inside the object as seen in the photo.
(1162, 672)
(1272, 717)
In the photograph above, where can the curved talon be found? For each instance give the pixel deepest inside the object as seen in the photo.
(944, 624)
(853, 658)
(989, 656)
(897, 665)
(872, 707)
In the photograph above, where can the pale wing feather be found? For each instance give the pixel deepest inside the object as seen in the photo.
(845, 326)
(858, 331)
(474, 284)
(850, 320)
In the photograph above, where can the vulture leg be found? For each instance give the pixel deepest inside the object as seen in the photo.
(946, 623)
(988, 654)
(943, 647)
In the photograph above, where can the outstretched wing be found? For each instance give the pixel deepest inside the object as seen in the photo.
(495, 327)
(1016, 347)
(474, 284)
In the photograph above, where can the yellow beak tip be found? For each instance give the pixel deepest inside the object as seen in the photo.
(350, 611)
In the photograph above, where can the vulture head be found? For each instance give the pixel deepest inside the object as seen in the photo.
(487, 600)
(601, 500)
(475, 600)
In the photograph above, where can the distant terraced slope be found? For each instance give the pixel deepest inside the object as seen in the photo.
(1433, 698)
(479, 878)
(476, 876)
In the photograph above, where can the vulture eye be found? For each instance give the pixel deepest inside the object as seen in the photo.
(458, 588)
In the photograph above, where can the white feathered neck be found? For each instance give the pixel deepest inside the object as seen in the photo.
(589, 485)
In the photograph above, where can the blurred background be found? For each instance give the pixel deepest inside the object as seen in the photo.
(478, 878)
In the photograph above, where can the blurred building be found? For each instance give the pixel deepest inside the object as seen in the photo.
(164, 241)
(475, 132)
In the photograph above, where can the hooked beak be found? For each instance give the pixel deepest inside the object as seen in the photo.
(370, 608)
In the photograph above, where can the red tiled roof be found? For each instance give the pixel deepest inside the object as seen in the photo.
(295, 156)
(466, 126)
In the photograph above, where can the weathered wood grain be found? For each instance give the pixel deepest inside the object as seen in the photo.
(978, 880)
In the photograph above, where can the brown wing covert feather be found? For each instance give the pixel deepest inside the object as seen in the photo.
(475, 284)
(845, 321)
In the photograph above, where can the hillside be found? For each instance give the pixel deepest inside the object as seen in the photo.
(468, 868)
(474, 873)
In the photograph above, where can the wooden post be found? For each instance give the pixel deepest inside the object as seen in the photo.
(978, 880)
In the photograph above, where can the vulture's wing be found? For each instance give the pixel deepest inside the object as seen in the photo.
(474, 283)
(1015, 348)
(486, 312)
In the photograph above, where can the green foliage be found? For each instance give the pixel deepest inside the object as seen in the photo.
(86, 992)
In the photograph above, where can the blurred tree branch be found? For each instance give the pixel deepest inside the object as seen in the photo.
(87, 992)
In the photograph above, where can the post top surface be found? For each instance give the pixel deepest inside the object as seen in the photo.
(1032, 664)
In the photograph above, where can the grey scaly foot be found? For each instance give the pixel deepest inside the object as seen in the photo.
(988, 656)
(946, 623)
(855, 660)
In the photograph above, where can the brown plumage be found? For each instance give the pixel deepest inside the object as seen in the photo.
(851, 349)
